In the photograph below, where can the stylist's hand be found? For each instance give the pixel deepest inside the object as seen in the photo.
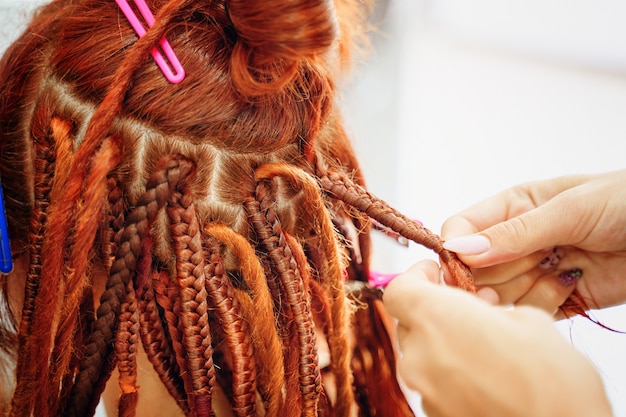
(469, 358)
(506, 238)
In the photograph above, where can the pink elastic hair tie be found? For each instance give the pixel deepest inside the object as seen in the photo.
(379, 279)
(172, 77)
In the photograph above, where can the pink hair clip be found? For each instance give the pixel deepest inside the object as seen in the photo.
(165, 46)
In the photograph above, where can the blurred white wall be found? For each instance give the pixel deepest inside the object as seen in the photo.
(463, 99)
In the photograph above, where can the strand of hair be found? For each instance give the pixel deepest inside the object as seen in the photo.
(23, 399)
(264, 232)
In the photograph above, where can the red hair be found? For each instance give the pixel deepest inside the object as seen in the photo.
(219, 209)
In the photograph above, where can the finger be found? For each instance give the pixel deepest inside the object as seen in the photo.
(510, 292)
(541, 228)
(489, 295)
(401, 293)
(520, 221)
(551, 291)
(506, 205)
(504, 272)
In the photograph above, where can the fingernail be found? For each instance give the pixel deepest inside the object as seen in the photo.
(570, 277)
(552, 259)
(467, 245)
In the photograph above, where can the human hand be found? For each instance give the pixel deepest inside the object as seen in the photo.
(505, 238)
(469, 358)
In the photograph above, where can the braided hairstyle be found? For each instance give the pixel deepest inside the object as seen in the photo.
(210, 223)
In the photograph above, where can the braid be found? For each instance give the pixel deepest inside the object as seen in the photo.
(167, 297)
(273, 239)
(126, 343)
(340, 187)
(127, 337)
(194, 321)
(330, 274)
(235, 330)
(94, 369)
(23, 400)
(154, 337)
(113, 222)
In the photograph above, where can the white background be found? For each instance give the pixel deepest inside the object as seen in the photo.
(464, 98)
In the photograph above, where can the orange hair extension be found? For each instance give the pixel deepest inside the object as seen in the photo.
(235, 331)
(126, 343)
(257, 303)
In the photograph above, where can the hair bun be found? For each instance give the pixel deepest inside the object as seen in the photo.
(285, 29)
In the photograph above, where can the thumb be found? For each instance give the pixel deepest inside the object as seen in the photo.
(537, 229)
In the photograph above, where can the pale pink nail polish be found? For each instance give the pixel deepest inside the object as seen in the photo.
(467, 245)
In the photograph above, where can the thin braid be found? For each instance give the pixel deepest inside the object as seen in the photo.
(257, 306)
(341, 187)
(94, 369)
(285, 314)
(45, 314)
(105, 160)
(112, 223)
(127, 336)
(332, 278)
(291, 280)
(166, 295)
(126, 345)
(234, 329)
(194, 320)
(23, 399)
(154, 337)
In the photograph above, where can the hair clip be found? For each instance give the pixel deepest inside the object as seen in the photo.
(166, 48)
(6, 261)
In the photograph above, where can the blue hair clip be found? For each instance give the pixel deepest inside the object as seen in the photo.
(6, 261)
